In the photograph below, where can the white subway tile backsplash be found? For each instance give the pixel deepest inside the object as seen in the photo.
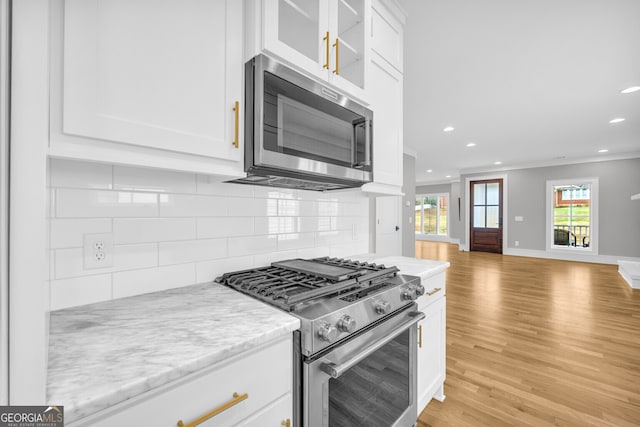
(298, 208)
(224, 227)
(172, 229)
(263, 192)
(327, 208)
(69, 233)
(70, 262)
(72, 203)
(139, 179)
(295, 241)
(192, 205)
(140, 230)
(315, 252)
(79, 291)
(75, 174)
(207, 185)
(262, 260)
(240, 246)
(252, 207)
(207, 271)
(192, 250)
(136, 282)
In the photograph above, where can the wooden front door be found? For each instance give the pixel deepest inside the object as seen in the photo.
(486, 216)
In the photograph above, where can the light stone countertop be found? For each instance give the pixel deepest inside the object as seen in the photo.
(105, 353)
(423, 268)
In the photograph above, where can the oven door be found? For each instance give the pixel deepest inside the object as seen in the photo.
(302, 126)
(368, 381)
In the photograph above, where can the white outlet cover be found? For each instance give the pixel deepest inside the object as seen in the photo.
(98, 250)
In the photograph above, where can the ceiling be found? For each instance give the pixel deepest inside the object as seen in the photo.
(532, 83)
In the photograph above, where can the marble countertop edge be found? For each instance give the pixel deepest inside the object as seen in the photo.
(76, 410)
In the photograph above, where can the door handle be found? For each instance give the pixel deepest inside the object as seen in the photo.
(397, 228)
(335, 371)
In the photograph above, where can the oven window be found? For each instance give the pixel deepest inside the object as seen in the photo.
(303, 124)
(375, 392)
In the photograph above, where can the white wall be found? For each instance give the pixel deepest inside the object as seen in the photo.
(174, 229)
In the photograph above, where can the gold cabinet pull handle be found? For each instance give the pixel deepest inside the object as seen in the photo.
(337, 46)
(326, 43)
(420, 336)
(286, 423)
(436, 290)
(236, 110)
(237, 398)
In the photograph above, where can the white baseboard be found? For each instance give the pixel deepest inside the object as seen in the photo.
(630, 271)
(436, 238)
(566, 256)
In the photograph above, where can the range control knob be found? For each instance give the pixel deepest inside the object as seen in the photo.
(419, 290)
(382, 307)
(327, 332)
(347, 324)
(409, 294)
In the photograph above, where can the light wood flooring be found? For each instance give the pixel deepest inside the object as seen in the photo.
(535, 342)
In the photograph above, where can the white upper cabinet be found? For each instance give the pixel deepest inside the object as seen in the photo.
(148, 83)
(385, 92)
(328, 39)
(387, 36)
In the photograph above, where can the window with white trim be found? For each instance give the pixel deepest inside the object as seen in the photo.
(432, 214)
(572, 209)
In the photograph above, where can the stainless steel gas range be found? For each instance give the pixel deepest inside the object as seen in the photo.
(355, 352)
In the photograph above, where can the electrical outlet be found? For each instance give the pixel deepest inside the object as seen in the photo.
(98, 250)
(354, 231)
(517, 242)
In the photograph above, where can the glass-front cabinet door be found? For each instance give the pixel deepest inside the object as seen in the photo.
(294, 30)
(327, 38)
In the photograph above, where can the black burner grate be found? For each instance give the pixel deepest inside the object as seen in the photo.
(286, 284)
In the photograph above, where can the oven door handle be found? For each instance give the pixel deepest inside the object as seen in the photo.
(336, 371)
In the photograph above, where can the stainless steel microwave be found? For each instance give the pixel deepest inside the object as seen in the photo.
(302, 134)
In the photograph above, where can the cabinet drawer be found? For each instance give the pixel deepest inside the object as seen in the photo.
(434, 289)
(264, 374)
(272, 416)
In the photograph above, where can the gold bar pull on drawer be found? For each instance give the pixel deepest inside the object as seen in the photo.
(237, 398)
(435, 291)
(286, 423)
(420, 336)
(236, 110)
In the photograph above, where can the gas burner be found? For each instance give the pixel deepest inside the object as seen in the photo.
(292, 283)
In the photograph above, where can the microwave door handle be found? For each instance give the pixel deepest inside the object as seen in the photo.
(366, 123)
(367, 141)
(336, 371)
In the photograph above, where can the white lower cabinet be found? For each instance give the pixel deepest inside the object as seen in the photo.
(263, 374)
(276, 415)
(432, 341)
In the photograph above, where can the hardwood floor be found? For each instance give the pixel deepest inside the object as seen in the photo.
(535, 342)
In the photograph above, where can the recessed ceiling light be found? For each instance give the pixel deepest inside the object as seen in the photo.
(630, 89)
(448, 129)
(604, 150)
(559, 157)
(429, 170)
(471, 144)
(617, 120)
(448, 176)
(497, 163)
